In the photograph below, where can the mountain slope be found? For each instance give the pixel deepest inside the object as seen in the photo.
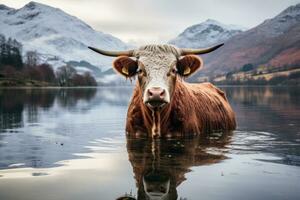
(55, 34)
(205, 34)
(275, 42)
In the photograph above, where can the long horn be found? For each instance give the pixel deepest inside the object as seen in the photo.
(113, 53)
(200, 51)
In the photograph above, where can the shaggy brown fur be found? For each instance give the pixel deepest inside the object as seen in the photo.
(194, 109)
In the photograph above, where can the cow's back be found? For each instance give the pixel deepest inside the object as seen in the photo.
(203, 108)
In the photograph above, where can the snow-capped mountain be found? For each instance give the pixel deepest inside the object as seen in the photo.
(56, 35)
(275, 43)
(206, 34)
(281, 23)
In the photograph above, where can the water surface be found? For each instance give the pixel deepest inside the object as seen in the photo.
(71, 144)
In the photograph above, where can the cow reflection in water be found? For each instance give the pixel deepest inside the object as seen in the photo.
(160, 166)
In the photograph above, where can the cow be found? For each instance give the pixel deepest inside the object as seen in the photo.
(163, 103)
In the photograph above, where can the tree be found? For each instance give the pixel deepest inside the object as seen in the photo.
(89, 79)
(47, 73)
(2, 47)
(247, 67)
(9, 71)
(16, 54)
(78, 80)
(64, 75)
(229, 75)
(10, 53)
(83, 80)
(32, 59)
(32, 73)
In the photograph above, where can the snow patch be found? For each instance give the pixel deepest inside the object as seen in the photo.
(207, 33)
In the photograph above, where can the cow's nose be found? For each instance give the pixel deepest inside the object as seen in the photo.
(156, 97)
(156, 94)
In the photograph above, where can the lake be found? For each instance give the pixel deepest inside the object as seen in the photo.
(70, 144)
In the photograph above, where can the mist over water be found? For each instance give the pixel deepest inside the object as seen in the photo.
(71, 144)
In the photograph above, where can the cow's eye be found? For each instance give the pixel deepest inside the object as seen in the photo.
(173, 71)
(140, 71)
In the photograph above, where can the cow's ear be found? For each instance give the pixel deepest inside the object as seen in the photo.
(125, 66)
(188, 64)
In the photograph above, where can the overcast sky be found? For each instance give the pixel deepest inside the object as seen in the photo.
(157, 21)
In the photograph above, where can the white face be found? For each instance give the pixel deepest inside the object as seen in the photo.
(157, 68)
(156, 75)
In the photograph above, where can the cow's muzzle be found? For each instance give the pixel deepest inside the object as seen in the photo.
(156, 97)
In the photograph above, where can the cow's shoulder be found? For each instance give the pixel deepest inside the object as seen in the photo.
(212, 88)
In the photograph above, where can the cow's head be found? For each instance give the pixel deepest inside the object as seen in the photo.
(157, 68)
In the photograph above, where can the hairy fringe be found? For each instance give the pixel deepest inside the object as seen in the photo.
(165, 48)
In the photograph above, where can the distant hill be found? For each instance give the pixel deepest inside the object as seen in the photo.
(274, 43)
(84, 66)
(57, 36)
(207, 33)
